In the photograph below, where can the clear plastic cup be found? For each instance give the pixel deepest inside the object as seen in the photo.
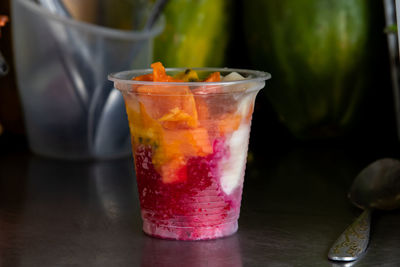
(70, 108)
(189, 142)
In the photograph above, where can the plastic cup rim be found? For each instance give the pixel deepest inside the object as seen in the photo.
(258, 76)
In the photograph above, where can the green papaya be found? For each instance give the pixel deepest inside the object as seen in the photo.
(317, 52)
(195, 35)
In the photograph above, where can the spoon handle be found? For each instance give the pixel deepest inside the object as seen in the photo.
(354, 240)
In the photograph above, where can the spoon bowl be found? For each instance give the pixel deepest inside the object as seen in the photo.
(375, 187)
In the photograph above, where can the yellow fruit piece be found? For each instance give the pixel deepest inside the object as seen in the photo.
(173, 146)
(143, 128)
(182, 144)
(188, 75)
(160, 100)
(177, 118)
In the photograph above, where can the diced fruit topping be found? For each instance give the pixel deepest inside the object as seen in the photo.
(159, 74)
(214, 77)
(147, 77)
(188, 75)
(233, 76)
(176, 121)
(177, 118)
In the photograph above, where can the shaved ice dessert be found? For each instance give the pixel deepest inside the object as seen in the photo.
(190, 132)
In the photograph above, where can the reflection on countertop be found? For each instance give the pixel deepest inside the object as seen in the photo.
(66, 213)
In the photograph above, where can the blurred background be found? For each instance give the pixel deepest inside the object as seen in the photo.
(330, 63)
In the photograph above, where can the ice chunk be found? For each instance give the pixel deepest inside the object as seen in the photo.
(233, 76)
(233, 167)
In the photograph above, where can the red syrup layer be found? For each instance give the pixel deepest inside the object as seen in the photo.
(196, 208)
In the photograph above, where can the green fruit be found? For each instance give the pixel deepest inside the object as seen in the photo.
(196, 34)
(317, 52)
(119, 14)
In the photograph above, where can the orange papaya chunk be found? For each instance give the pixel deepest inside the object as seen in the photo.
(201, 141)
(177, 118)
(173, 171)
(207, 89)
(178, 144)
(161, 101)
(176, 147)
(146, 77)
(229, 123)
(213, 77)
(186, 143)
(160, 75)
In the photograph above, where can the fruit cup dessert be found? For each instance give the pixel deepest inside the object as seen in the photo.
(190, 131)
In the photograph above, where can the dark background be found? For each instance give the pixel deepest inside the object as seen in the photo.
(375, 130)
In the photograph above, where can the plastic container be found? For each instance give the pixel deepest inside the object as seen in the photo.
(70, 108)
(189, 142)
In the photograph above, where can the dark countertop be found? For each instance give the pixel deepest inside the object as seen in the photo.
(62, 213)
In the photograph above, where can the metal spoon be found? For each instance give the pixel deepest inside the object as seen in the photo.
(376, 187)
